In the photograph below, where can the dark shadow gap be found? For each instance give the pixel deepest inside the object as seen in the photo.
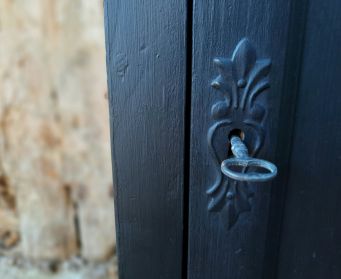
(187, 135)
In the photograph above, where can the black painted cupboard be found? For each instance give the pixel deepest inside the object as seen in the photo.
(184, 78)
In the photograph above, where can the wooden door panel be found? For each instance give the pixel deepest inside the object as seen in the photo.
(311, 230)
(245, 249)
(146, 64)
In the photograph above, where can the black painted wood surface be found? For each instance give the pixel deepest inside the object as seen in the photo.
(245, 250)
(311, 230)
(293, 228)
(146, 64)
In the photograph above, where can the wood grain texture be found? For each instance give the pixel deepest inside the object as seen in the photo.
(146, 63)
(218, 26)
(311, 230)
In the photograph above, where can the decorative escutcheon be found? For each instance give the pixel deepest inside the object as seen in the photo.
(239, 121)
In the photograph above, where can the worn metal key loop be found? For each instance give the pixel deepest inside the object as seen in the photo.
(242, 159)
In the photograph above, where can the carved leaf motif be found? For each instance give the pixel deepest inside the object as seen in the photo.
(257, 113)
(242, 198)
(260, 70)
(224, 68)
(218, 200)
(220, 109)
(223, 82)
(229, 214)
(244, 57)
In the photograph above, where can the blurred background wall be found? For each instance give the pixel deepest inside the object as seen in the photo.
(56, 200)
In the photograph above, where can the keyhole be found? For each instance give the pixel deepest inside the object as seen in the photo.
(234, 132)
(238, 133)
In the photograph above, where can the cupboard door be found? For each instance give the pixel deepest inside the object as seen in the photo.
(246, 56)
(146, 64)
(311, 231)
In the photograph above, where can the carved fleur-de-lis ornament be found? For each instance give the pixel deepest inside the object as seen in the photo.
(241, 79)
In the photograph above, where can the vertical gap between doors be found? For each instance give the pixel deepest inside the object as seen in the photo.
(187, 133)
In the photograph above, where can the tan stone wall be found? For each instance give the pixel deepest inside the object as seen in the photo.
(56, 203)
